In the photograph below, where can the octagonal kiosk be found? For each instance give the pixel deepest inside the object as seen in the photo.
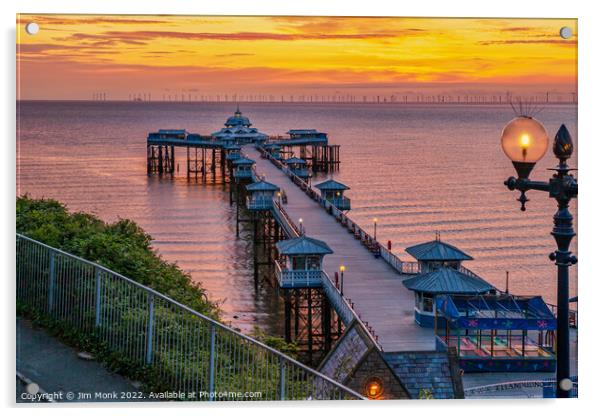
(300, 262)
(261, 195)
(441, 273)
(273, 150)
(298, 167)
(332, 191)
(243, 168)
(232, 152)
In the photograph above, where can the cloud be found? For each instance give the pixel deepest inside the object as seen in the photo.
(91, 20)
(139, 37)
(529, 41)
(233, 55)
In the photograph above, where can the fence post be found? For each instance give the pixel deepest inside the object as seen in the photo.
(282, 380)
(51, 281)
(150, 328)
(97, 310)
(212, 364)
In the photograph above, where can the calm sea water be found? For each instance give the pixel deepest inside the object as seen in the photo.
(417, 169)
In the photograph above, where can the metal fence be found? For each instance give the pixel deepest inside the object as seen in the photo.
(188, 351)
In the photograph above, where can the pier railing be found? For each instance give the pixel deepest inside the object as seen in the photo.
(188, 351)
(402, 267)
(343, 306)
(299, 278)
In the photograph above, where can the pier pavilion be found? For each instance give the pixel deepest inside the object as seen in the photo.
(238, 130)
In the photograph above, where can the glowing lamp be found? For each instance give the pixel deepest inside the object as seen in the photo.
(342, 269)
(524, 141)
(373, 388)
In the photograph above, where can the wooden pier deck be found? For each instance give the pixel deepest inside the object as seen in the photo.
(374, 287)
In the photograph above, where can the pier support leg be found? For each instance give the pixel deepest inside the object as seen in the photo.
(287, 316)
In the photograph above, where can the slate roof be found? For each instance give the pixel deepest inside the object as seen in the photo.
(437, 250)
(302, 131)
(303, 245)
(294, 160)
(423, 371)
(237, 120)
(331, 185)
(447, 280)
(262, 186)
(243, 161)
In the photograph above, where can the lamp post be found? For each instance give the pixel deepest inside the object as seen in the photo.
(375, 220)
(301, 226)
(342, 270)
(525, 141)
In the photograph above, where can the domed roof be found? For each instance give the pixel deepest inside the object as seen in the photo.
(237, 119)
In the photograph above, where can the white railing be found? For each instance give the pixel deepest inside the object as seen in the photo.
(299, 278)
(187, 351)
(260, 203)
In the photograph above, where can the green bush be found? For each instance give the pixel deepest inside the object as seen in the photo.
(121, 246)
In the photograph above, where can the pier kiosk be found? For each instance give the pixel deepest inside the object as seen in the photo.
(243, 169)
(261, 195)
(273, 150)
(332, 191)
(232, 152)
(298, 167)
(444, 280)
(440, 272)
(300, 262)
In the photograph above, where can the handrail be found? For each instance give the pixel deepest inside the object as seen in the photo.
(121, 311)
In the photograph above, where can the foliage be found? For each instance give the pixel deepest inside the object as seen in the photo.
(278, 343)
(121, 246)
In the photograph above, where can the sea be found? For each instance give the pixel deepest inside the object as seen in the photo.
(418, 169)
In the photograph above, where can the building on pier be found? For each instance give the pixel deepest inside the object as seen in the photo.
(232, 152)
(309, 135)
(238, 130)
(261, 195)
(441, 272)
(298, 167)
(332, 191)
(273, 150)
(435, 254)
(443, 280)
(300, 262)
(497, 333)
(243, 168)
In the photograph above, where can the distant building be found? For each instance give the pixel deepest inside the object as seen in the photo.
(441, 273)
(238, 130)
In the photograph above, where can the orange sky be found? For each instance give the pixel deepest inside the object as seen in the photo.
(74, 56)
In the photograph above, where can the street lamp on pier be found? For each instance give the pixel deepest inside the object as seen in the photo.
(375, 221)
(342, 270)
(525, 141)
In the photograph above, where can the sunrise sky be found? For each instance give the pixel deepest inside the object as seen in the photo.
(72, 56)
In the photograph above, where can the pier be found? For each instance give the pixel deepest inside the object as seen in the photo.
(345, 302)
(371, 284)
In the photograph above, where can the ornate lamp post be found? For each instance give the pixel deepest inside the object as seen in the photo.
(525, 141)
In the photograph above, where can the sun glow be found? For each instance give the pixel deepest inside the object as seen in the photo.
(171, 56)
